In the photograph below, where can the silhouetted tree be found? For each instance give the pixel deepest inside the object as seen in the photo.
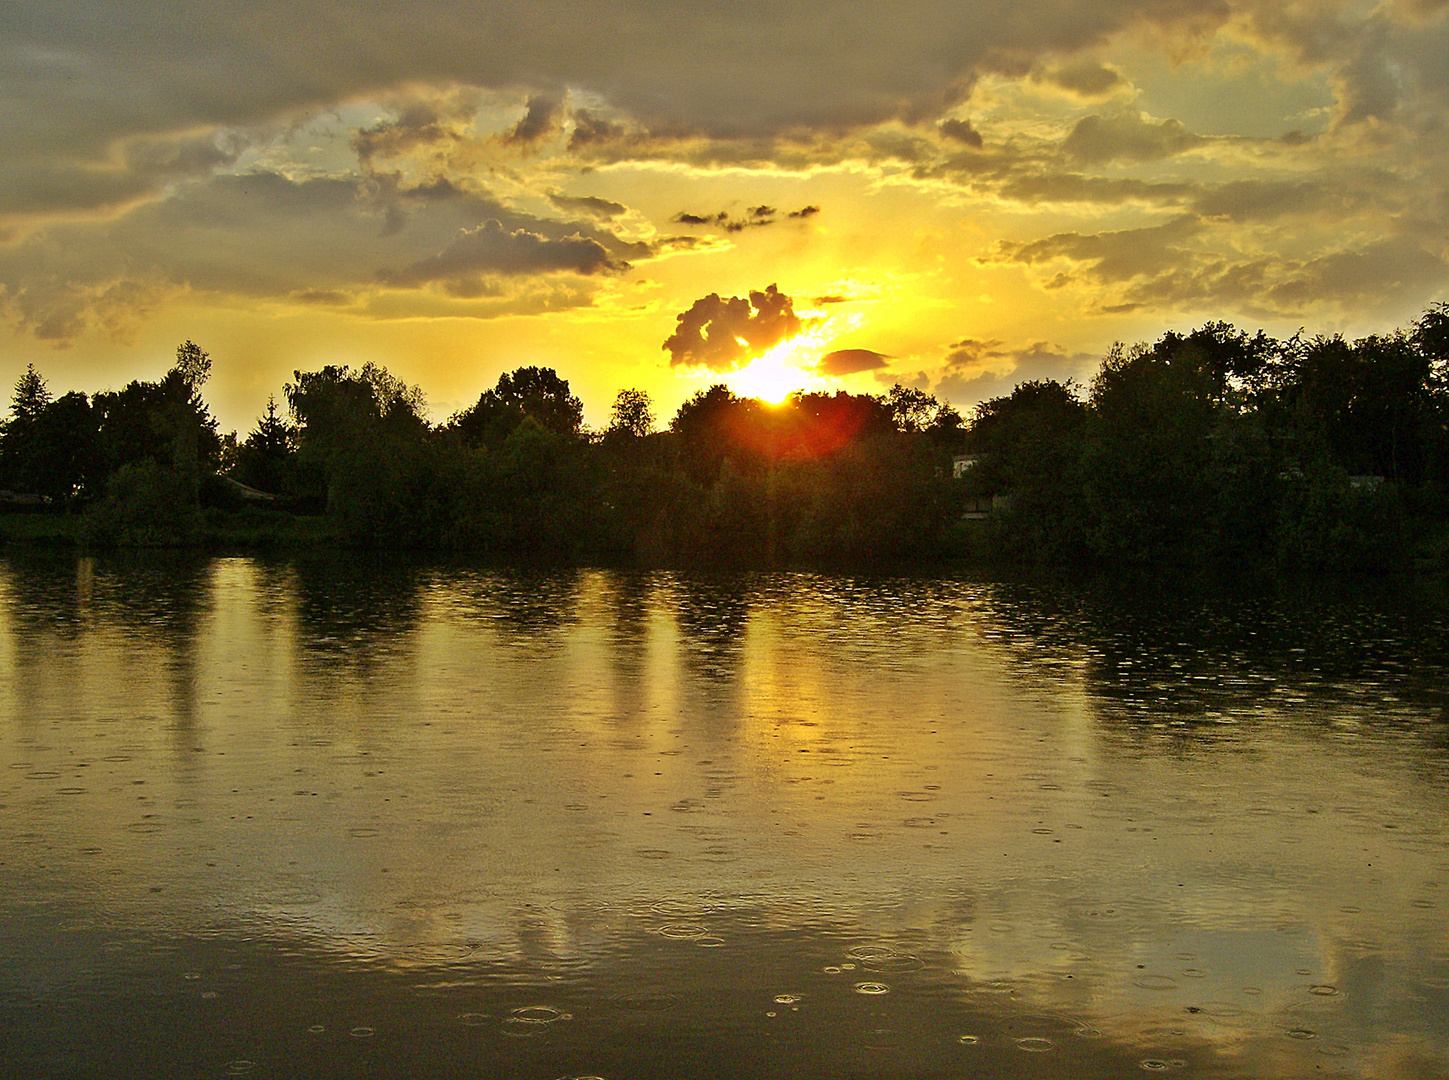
(362, 435)
(18, 449)
(165, 422)
(632, 415)
(1030, 445)
(31, 396)
(917, 411)
(266, 460)
(1148, 453)
(527, 393)
(66, 462)
(714, 426)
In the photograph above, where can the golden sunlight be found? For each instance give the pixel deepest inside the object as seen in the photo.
(776, 373)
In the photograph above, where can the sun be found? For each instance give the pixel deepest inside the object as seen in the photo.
(776, 373)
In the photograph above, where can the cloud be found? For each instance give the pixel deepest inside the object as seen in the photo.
(850, 361)
(492, 249)
(1127, 136)
(323, 297)
(973, 352)
(977, 370)
(265, 236)
(1086, 79)
(680, 80)
(588, 204)
(726, 334)
(705, 66)
(754, 217)
(1051, 186)
(151, 149)
(541, 118)
(420, 123)
(1110, 256)
(138, 169)
(590, 128)
(965, 382)
(1380, 272)
(960, 130)
(1260, 200)
(1183, 266)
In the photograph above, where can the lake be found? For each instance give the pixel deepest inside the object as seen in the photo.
(336, 817)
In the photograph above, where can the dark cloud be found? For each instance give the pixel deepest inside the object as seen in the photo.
(1370, 84)
(1127, 136)
(1381, 271)
(977, 370)
(1386, 63)
(323, 297)
(723, 334)
(851, 361)
(1032, 173)
(541, 118)
(1424, 10)
(1170, 268)
(588, 204)
(960, 130)
(417, 124)
(1111, 256)
(491, 249)
(973, 351)
(134, 117)
(1085, 79)
(321, 240)
(755, 217)
(1261, 200)
(132, 68)
(1050, 186)
(687, 77)
(140, 169)
(590, 128)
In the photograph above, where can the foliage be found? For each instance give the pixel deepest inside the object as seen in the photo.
(146, 505)
(164, 422)
(31, 397)
(529, 393)
(1216, 448)
(632, 415)
(1220, 448)
(265, 460)
(48, 446)
(1030, 446)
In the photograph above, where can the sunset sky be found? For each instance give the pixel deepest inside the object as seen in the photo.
(952, 195)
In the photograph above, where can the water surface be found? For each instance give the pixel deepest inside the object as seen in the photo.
(338, 817)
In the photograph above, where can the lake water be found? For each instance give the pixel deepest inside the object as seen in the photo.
(339, 817)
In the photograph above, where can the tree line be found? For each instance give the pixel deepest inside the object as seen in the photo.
(730, 479)
(1212, 448)
(1221, 448)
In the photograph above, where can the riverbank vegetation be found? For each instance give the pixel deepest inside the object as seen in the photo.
(1213, 448)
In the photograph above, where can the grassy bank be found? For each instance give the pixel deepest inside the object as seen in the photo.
(218, 529)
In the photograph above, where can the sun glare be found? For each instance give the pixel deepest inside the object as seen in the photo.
(776, 373)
